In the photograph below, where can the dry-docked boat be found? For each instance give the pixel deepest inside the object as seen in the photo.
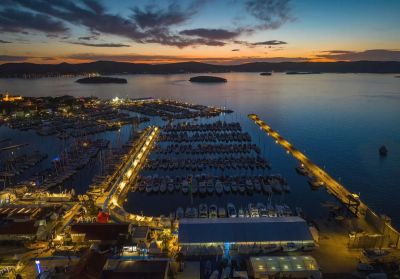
(231, 209)
(203, 210)
(191, 212)
(241, 213)
(262, 209)
(253, 210)
(213, 211)
(221, 212)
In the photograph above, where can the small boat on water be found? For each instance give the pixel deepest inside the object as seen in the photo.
(171, 187)
(202, 187)
(267, 188)
(315, 183)
(234, 187)
(249, 185)
(299, 212)
(156, 187)
(191, 212)
(276, 186)
(219, 187)
(213, 211)
(242, 188)
(179, 213)
(185, 186)
(210, 187)
(221, 212)
(163, 187)
(262, 210)
(383, 151)
(286, 188)
(231, 209)
(227, 187)
(203, 210)
(301, 169)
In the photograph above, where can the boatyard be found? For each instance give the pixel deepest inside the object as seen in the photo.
(175, 181)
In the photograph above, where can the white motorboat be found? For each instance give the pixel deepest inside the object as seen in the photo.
(231, 209)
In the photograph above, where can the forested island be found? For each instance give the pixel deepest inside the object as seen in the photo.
(207, 79)
(101, 80)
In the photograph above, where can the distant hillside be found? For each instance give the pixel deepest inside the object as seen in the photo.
(110, 67)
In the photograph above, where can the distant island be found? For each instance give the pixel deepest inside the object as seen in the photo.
(207, 79)
(101, 80)
(31, 70)
(265, 74)
(302, 73)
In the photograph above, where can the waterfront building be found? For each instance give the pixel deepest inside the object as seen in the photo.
(106, 233)
(243, 235)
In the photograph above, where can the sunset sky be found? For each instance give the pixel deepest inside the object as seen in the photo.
(214, 31)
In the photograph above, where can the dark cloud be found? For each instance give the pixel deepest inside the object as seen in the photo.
(150, 24)
(269, 43)
(272, 14)
(151, 16)
(13, 20)
(236, 49)
(144, 26)
(215, 34)
(4, 42)
(370, 55)
(13, 58)
(100, 44)
(87, 38)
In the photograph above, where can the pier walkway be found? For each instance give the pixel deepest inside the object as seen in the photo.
(351, 200)
(128, 170)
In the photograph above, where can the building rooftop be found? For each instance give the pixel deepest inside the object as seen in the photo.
(243, 230)
(270, 265)
(144, 269)
(18, 228)
(100, 231)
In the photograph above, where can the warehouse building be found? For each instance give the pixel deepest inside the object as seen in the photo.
(243, 235)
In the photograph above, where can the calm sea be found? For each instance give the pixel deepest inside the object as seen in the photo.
(338, 120)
